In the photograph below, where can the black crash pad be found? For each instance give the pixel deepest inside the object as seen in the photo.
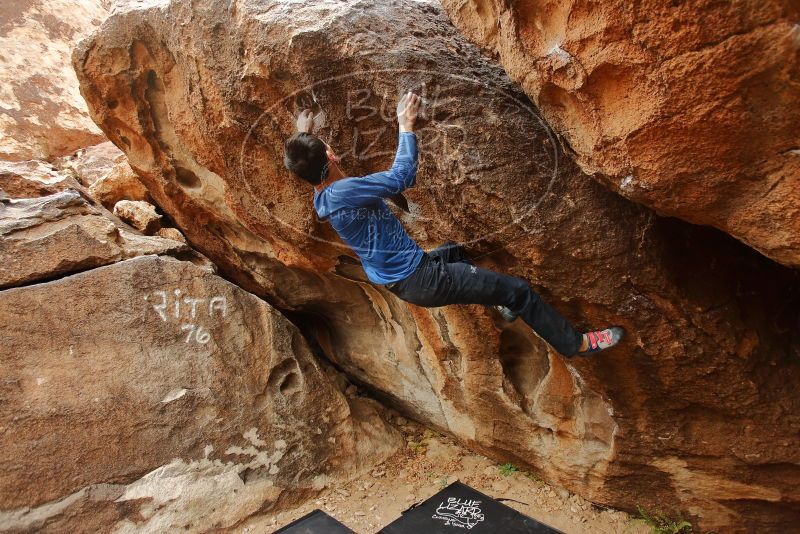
(460, 509)
(316, 522)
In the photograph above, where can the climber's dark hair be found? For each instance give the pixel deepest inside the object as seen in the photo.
(304, 154)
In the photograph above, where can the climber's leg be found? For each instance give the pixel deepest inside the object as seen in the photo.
(473, 285)
(436, 283)
(450, 252)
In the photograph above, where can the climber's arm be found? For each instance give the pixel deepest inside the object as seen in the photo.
(367, 190)
(403, 173)
(359, 192)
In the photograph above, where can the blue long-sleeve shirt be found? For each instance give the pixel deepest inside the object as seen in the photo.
(356, 209)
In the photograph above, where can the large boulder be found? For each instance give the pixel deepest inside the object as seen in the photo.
(121, 183)
(687, 107)
(696, 412)
(104, 170)
(31, 179)
(149, 394)
(92, 163)
(42, 114)
(62, 233)
(168, 400)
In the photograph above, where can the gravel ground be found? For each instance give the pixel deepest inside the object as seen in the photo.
(428, 464)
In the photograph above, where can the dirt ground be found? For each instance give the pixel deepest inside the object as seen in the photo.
(430, 462)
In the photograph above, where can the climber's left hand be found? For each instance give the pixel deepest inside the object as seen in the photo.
(305, 121)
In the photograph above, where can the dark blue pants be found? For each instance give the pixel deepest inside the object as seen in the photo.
(446, 276)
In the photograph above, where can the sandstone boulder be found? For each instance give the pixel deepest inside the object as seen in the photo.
(171, 233)
(169, 400)
(91, 163)
(104, 170)
(32, 178)
(139, 214)
(47, 237)
(121, 183)
(697, 412)
(687, 107)
(42, 114)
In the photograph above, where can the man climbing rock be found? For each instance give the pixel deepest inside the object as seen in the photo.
(356, 208)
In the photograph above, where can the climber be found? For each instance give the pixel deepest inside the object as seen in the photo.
(356, 209)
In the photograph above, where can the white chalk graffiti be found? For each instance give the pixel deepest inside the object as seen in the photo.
(459, 513)
(173, 307)
(199, 334)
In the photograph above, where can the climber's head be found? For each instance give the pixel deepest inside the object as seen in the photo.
(309, 157)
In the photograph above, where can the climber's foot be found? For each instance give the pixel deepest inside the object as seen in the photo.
(506, 314)
(601, 339)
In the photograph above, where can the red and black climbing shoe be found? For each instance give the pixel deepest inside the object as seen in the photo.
(602, 339)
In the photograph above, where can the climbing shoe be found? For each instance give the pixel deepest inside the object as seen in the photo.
(506, 314)
(603, 339)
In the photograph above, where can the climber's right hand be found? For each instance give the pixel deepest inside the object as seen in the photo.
(305, 121)
(407, 110)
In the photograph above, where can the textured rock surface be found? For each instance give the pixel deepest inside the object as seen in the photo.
(121, 183)
(104, 170)
(687, 107)
(148, 409)
(170, 400)
(139, 214)
(92, 163)
(696, 412)
(62, 233)
(42, 114)
(171, 233)
(32, 178)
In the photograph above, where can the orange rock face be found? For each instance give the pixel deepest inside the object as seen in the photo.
(62, 233)
(687, 107)
(141, 391)
(121, 183)
(697, 411)
(163, 403)
(42, 114)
